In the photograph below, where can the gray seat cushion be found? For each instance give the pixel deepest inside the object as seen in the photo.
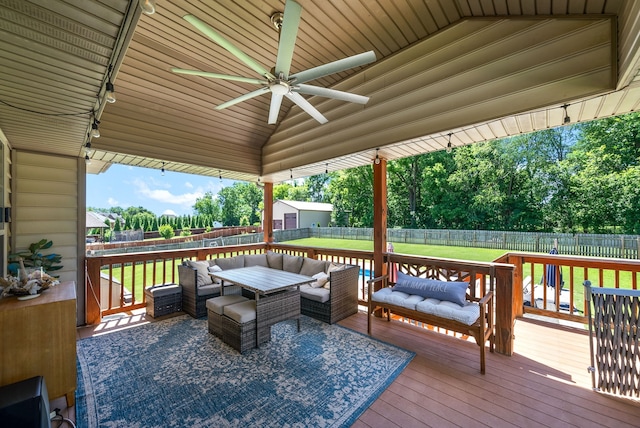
(316, 294)
(217, 304)
(242, 312)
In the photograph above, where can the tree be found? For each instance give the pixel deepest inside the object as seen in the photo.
(208, 205)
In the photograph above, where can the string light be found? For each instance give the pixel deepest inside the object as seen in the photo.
(220, 175)
(377, 161)
(449, 146)
(148, 6)
(87, 148)
(162, 170)
(326, 169)
(291, 173)
(87, 160)
(95, 132)
(567, 119)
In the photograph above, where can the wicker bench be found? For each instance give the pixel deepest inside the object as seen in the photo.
(163, 299)
(481, 329)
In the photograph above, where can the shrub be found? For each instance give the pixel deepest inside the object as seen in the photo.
(166, 231)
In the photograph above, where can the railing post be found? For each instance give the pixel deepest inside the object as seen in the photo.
(93, 310)
(506, 308)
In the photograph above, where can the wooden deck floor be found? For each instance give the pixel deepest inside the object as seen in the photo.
(544, 384)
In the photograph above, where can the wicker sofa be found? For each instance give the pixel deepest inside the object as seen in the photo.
(328, 302)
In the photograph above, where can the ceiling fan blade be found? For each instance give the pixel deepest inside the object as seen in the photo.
(241, 98)
(334, 67)
(213, 35)
(274, 109)
(288, 34)
(306, 106)
(220, 76)
(331, 93)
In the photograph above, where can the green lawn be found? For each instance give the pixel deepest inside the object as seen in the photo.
(460, 253)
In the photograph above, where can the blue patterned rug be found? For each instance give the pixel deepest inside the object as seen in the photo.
(173, 373)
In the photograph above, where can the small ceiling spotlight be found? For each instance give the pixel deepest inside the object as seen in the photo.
(276, 20)
(95, 132)
(567, 119)
(148, 6)
(87, 159)
(377, 160)
(162, 169)
(449, 146)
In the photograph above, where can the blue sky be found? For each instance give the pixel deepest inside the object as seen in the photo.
(126, 186)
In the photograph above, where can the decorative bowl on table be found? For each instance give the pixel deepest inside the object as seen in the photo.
(29, 283)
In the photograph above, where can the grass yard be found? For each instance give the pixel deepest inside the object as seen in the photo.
(459, 253)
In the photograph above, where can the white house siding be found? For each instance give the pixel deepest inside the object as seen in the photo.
(45, 204)
(306, 217)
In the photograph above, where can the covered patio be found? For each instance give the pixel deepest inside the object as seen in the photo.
(447, 74)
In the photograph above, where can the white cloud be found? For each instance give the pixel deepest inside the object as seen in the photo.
(112, 202)
(188, 185)
(165, 196)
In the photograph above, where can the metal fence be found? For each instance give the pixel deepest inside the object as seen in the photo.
(620, 246)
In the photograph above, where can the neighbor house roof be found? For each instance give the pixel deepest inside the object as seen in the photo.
(308, 206)
(95, 220)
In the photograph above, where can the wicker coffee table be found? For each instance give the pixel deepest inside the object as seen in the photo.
(277, 292)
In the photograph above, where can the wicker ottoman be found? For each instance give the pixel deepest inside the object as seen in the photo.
(215, 308)
(163, 299)
(239, 326)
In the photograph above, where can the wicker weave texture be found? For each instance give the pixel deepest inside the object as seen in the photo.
(158, 306)
(242, 337)
(343, 300)
(214, 323)
(616, 325)
(276, 307)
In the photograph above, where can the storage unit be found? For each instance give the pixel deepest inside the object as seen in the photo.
(38, 338)
(163, 299)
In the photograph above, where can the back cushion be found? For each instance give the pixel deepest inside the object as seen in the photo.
(202, 271)
(311, 267)
(291, 263)
(255, 260)
(274, 260)
(230, 262)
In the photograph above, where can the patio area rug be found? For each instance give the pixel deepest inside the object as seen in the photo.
(173, 373)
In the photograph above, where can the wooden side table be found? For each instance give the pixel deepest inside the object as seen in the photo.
(38, 338)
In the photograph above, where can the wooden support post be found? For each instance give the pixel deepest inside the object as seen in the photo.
(267, 221)
(379, 216)
(505, 308)
(93, 310)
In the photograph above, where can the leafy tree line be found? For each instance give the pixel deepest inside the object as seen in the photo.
(579, 178)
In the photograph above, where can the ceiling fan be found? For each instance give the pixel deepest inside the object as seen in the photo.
(279, 82)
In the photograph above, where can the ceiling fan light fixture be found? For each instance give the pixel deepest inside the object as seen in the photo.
(279, 88)
(276, 20)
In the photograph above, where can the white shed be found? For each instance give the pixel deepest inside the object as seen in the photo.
(296, 214)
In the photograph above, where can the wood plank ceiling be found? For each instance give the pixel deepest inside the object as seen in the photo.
(475, 69)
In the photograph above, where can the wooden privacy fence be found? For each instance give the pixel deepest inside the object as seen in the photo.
(582, 244)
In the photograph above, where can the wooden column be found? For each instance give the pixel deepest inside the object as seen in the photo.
(267, 221)
(379, 216)
(93, 310)
(506, 310)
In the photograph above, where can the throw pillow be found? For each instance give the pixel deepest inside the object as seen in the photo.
(274, 260)
(334, 267)
(214, 269)
(321, 279)
(202, 270)
(291, 263)
(450, 291)
(311, 267)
